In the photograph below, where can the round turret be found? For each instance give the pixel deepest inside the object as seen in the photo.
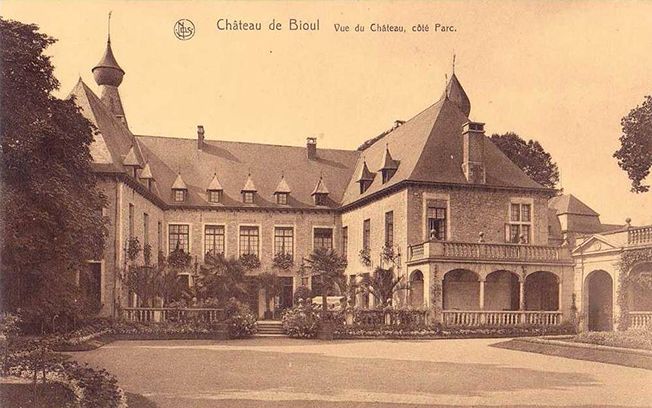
(107, 71)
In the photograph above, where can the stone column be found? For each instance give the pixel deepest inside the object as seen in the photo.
(521, 299)
(481, 293)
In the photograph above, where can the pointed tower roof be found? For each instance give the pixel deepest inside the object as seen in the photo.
(130, 158)
(179, 184)
(107, 71)
(282, 187)
(249, 185)
(146, 173)
(215, 184)
(455, 93)
(388, 162)
(320, 188)
(364, 174)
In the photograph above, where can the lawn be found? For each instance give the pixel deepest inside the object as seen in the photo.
(634, 338)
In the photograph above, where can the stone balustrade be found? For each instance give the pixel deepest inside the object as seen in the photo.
(168, 314)
(488, 251)
(638, 236)
(475, 318)
(639, 320)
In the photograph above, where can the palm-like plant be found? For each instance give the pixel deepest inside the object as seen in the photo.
(222, 278)
(330, 266)
(382, 284)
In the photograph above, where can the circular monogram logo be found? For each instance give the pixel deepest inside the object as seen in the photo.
(184, 29)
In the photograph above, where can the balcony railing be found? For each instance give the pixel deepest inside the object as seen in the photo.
(469, 250)
(168, 314)
(637, 236)
(640, 320)
(475, 318)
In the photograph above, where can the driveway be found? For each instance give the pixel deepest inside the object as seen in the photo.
(281, 372)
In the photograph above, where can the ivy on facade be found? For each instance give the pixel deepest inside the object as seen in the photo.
(627, 280)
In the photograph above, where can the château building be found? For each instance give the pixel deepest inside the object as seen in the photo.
(470, 233)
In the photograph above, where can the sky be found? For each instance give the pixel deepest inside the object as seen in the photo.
(562, 73)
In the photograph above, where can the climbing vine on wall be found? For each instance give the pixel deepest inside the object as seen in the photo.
(627, 279)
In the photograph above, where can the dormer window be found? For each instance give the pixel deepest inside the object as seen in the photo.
(320, 199)
(282, 192)
(248, 197)
(215, 196)
(320, 193)
(282, 198)
(365, 177)
(389, 166)
(179, 190)
(179, 196)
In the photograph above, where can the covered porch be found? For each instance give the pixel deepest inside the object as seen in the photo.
(491, 285)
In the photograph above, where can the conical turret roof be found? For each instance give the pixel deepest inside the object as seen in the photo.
(320, 188)
(215, 184)
(107, 71)
(282, 187)
(249, 185)
(179, 184)
(455, 93)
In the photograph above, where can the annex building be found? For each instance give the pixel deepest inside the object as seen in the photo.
(474, 237)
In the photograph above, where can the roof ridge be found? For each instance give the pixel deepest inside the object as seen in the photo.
(240, 142)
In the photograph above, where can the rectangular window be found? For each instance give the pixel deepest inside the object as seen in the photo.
(323, 238)
(215, 196)
(214, 239)
(283, 240)
(366, 234)
(145, 228)
(520, 224)
(345, 241)
(131, 220)
(179, 195)
(282, 198)
(179, 237)
(437, 222)
(389, 229)
(248, 197)
(249, 240)
(160, 236)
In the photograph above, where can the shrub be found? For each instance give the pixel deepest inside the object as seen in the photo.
(239, 319)
(301, 321)
(302, 292)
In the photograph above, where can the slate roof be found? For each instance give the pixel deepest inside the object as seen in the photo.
(114, 140)
(428, 148)
(569, 204)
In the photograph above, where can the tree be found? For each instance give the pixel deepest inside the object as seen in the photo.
(635, 153)
(329, 266)
(382, 284)
(528, 156)
(222, 278)
(51, 221)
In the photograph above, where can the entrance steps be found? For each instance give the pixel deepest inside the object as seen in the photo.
(270, 328)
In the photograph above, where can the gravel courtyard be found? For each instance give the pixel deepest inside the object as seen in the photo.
(280, 372)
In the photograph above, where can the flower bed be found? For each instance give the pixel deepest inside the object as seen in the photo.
(439, 332)
(632, 338)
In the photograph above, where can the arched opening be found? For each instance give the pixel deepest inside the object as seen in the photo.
(599, 287)
(639, 296)
(461, 290)
(501, 291)
(416, 289)
(542, 291)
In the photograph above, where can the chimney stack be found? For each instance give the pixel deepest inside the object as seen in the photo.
(200, 137)
(311, 147)
(473, 159)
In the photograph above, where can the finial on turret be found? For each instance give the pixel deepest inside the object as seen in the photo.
(108, 28)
